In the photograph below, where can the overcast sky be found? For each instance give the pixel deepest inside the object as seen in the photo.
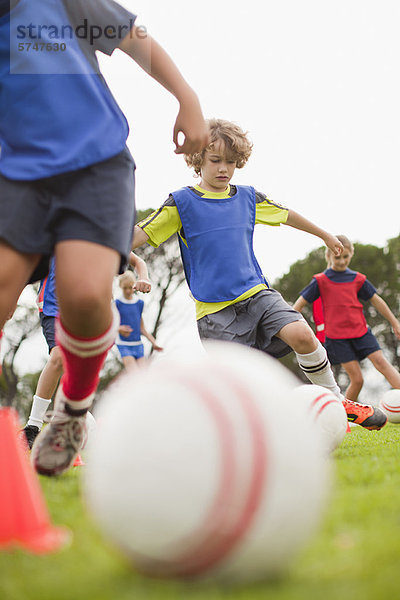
(316, 85)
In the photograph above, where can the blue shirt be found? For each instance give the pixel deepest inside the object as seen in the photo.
(56, 111)
(130, 312)
(311, 291)
(47, 299)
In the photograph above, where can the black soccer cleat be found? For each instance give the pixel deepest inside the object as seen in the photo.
(31, 432)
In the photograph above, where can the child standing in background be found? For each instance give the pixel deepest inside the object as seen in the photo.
(348, 339)
(130, 309)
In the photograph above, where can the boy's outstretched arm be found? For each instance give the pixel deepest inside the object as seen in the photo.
(147, 53)
(139, 238)
(143, 283)
(381, 306)
(298, 222)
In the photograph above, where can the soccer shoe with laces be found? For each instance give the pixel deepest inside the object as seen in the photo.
(58, 444)
(365, 415)
(30, 432)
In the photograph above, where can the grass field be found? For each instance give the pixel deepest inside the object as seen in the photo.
(355, 554)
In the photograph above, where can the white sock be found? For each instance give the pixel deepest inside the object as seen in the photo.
(316, 367)
(38, 410)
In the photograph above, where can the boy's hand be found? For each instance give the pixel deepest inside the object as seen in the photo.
(396, 330)
(143, 285)
(190, 122)
(334, 244)
(157, 348)
(125, 330)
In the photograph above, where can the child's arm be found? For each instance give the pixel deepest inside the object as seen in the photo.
(148, 54)
(300, 303)
(298, 222)
(125, 330)
(139, 238)
(148, 335)
(381, 306)
(143, 283)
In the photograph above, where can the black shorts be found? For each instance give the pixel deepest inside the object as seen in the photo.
(342, 351)
(95, 204)
(49, 330)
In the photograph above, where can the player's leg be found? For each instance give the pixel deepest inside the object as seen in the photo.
(316, 367)
(86, 330)
(355, 375)
(45, 390)
(15, 271)
(310, 354)
(383, 366)
(130, 363)
(91, 218)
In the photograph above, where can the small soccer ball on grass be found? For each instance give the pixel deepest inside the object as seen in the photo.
(326, 413)
(390, 404)
(207, 470)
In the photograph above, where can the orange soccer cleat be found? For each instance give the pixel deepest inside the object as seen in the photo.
(364, 414)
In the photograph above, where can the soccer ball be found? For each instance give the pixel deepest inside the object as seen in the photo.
(207, 469)
(326, 413)
(390, 404)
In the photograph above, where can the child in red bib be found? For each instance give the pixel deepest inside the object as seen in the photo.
(348, 339)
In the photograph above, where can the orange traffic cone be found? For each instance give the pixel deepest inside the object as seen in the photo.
(24, 519)
(348, 430)
(78, 461)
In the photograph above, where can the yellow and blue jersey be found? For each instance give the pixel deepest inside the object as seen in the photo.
(166, 221)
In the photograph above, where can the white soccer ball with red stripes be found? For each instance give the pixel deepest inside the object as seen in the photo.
(390, 404)
(325, 411)
(207, 469)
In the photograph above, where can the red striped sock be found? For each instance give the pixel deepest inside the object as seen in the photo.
(83, 359)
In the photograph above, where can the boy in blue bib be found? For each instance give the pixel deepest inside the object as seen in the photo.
(67, 182)
(215, 224)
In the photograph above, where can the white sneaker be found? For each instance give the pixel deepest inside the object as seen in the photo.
(58, 444)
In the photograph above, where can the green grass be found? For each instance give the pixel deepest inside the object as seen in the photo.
(355, 554)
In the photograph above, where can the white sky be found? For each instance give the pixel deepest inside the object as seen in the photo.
(316, 84)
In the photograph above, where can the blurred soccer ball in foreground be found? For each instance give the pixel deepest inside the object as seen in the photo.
(390, 404)
(207, 470)
(326, 413)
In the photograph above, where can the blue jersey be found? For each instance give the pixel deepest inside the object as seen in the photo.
(130, 312)
(311, 291)
(46, 299)
(56, 112)
(217, 253)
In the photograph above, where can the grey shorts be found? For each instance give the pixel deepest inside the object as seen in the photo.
(95, 204)
(253, 322)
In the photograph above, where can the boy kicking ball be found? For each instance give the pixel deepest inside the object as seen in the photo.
(215, 222)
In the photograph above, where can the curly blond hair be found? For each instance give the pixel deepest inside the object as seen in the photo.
(237, 145)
